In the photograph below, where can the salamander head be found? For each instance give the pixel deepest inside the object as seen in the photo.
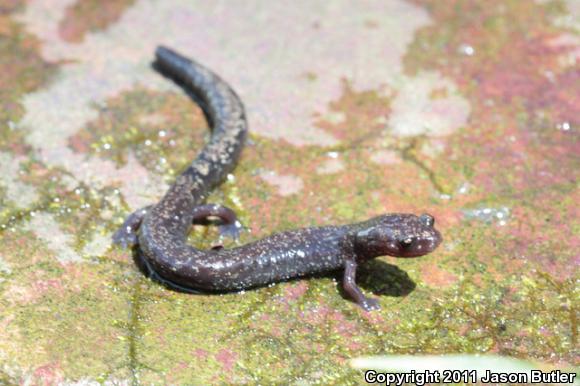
(399, 235)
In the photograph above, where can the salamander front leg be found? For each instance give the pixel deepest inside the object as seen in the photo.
(126, 235)
(230, 226)
(349, 285)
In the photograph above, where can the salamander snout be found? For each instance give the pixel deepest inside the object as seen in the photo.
(399, 235)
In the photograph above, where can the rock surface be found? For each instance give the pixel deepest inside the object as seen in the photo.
(465, 109)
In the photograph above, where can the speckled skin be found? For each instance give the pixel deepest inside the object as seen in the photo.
(159, 232)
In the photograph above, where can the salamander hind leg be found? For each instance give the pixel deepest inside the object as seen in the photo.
(230, 226)
(126, 235)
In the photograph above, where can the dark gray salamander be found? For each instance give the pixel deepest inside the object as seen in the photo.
(159, 231)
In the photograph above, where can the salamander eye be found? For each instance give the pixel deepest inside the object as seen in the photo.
(407, 241)
(427, 219)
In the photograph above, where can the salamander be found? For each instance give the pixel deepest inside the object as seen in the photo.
(158, 232)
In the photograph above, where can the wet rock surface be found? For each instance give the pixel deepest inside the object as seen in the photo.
(467, 110)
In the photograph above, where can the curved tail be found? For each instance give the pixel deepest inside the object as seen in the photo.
(223, 109)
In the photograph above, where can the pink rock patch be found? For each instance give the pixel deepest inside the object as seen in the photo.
(437, 277)
(287, 184)
(49, 374)
(293, 292)
(227, 358)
